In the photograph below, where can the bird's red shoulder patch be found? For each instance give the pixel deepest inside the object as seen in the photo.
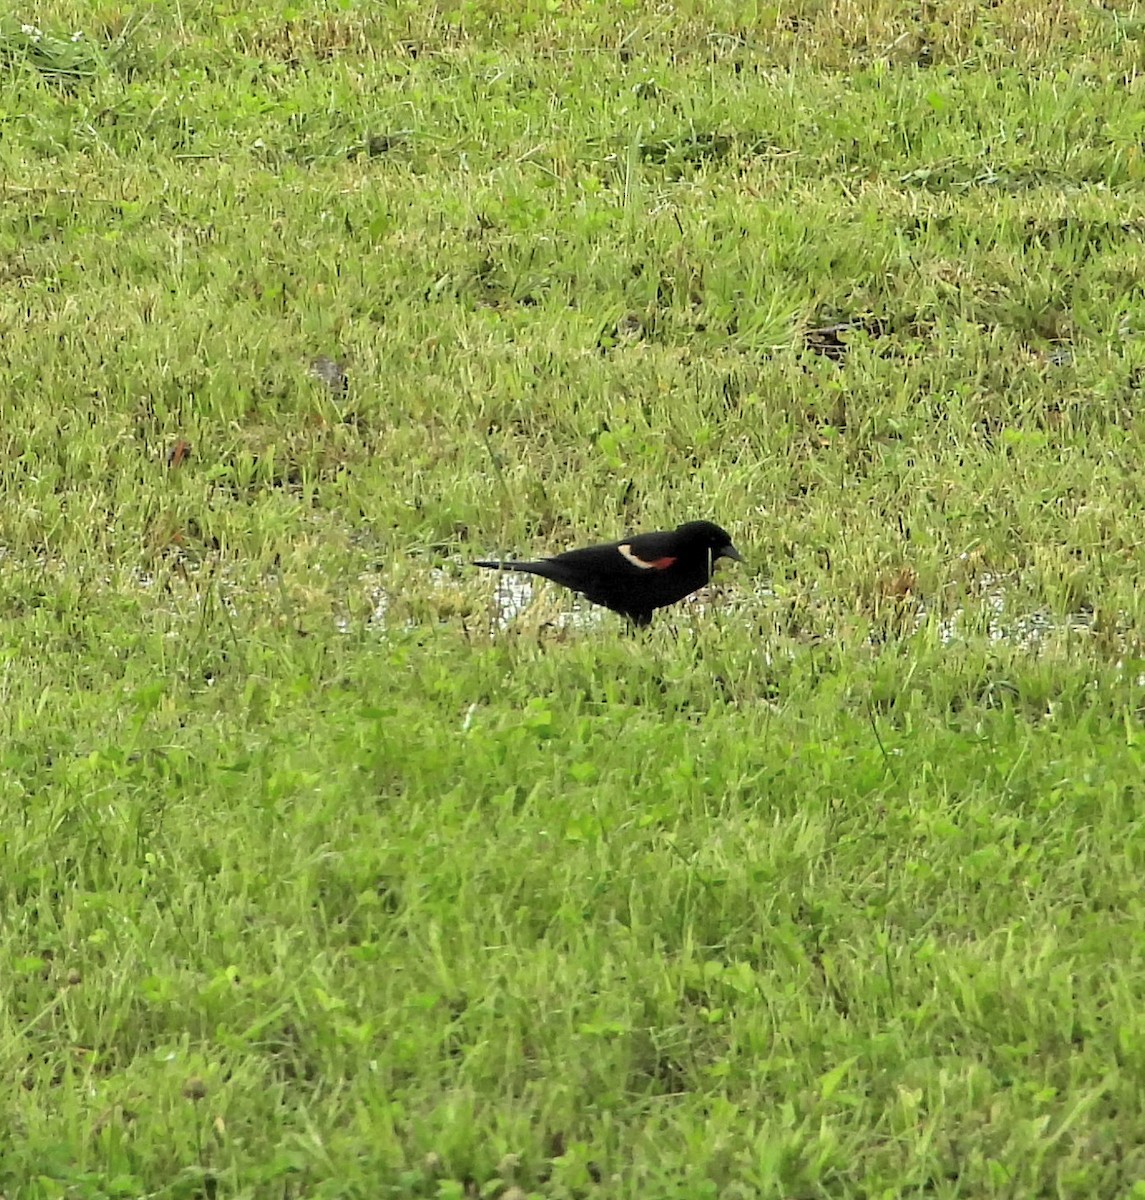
(654, 564)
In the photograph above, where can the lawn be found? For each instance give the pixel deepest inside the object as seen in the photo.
(329, 866)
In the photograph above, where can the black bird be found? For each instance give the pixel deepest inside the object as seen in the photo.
(638, 574)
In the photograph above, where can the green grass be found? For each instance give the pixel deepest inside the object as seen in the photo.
(318, 877)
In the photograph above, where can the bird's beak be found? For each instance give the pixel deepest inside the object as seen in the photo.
(729, 551)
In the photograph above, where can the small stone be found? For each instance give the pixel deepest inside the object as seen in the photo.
(331, 373)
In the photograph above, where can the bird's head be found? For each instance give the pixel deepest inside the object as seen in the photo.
(715, 540)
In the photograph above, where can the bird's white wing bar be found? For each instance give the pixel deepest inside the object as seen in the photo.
(657, 564)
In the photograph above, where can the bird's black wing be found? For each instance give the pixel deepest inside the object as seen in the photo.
(650, 551)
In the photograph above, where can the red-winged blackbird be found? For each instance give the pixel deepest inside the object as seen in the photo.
(637, 574)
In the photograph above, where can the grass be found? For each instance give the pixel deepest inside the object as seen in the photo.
(321, 879)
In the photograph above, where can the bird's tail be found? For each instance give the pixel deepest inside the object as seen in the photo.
(531, 568)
